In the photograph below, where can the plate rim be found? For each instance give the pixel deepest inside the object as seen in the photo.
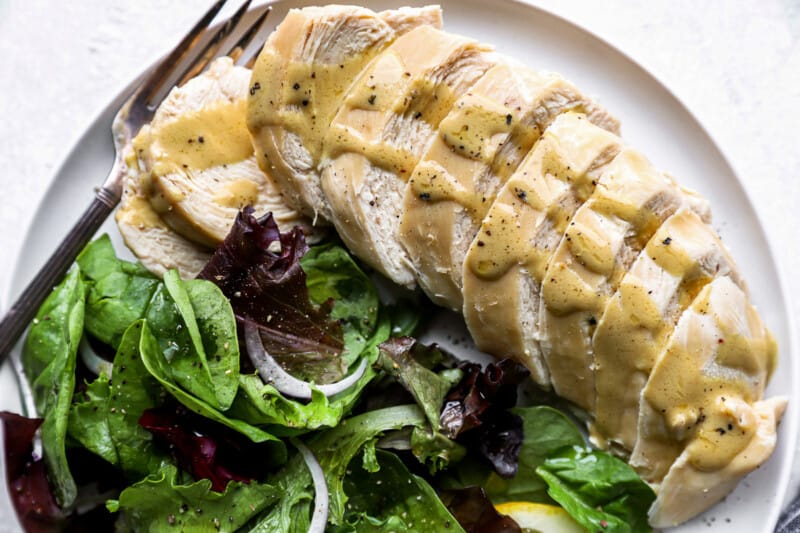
(792, 415)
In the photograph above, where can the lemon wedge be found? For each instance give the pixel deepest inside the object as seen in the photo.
(539, 517)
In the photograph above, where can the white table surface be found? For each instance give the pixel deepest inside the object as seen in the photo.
(735, 64)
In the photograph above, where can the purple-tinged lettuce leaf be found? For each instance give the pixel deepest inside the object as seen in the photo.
(475, 512)
(259, 270)
(205, 449)
(476, 413)
(27, 477)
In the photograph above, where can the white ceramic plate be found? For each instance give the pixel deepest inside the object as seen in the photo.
(653, 120)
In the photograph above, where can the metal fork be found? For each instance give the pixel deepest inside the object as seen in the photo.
(183, 63)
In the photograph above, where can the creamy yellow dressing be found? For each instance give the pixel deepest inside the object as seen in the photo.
(682, 257)
(237, 193)
(213, 136)
(137, 212)
(306, 100)
(704, 384)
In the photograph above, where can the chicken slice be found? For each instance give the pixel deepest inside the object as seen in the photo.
(389, 117)
(478, 146)
(506, 261)
(157, 246)
(719, 352)
(689, 489)
(682, 257)
(605, 236)
(300, 80)
(701, 425)
(197, 163)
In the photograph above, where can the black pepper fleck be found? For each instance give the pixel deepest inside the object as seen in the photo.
(667, 241)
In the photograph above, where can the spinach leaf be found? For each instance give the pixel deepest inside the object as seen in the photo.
(392, 499)
(88, 424)
(154, 363)
(600, 491)
(106, 419)
(166, 502)
(117, 292)
(192, 320)
(545, 431)
(49, 360)
(132, 391)
(189, 318)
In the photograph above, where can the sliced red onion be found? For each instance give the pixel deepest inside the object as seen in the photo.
(274, 374)
(96, 364)
(319, 518)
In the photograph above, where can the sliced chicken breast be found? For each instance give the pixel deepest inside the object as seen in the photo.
(300, 80)
(157, 246)
(631, 200)
(478, 146)
(688, 489)
(682, 257)
(388, 119)
(506, 261)
(197, 163)
(700, 415)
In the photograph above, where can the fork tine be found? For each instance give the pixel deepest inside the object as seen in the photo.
(237, 50)
(210, 50)
(156, 79)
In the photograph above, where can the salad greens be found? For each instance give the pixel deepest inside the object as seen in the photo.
(196, 439)
(392, 499)
(598, 490)
(49, 359)
(166, 501)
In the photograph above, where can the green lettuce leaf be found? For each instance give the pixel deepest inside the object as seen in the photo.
(166, 501)
(49, 358)
(261, 404)
(334, 449)
(601, 492)
(411, 364)
(399, 359)
(331, 274)
(117, 292)
(392, 499)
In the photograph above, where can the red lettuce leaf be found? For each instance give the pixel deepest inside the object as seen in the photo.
(258, 269)
(475, 512)
(476, 413)
(27, 477)
(203, 448)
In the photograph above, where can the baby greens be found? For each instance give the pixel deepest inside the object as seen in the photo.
(201, 442)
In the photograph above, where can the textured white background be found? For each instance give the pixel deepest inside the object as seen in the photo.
(735, 64)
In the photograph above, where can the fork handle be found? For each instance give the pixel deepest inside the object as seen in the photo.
(24, 309)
